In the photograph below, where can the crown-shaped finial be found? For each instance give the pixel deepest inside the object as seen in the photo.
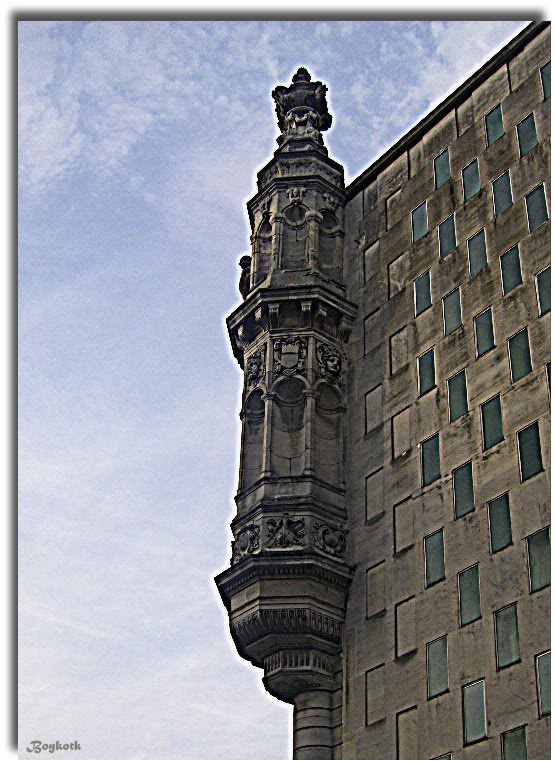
(303, 103)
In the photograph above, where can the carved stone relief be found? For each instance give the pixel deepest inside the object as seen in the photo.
(246, 542)
(285, 532)
(255, 368)
(330, 362)
(290, 355)
(329, 538)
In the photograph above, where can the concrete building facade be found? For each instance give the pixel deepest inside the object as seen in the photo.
(390, 561)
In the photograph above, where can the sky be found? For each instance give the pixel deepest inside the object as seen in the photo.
(139, 143)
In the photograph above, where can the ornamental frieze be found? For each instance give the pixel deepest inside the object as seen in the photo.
(290, 356)
(295, 620)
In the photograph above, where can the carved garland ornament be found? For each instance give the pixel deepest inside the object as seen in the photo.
(290, 356)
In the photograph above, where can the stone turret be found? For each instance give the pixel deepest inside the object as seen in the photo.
(287, 586)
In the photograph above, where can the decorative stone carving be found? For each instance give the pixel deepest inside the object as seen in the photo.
(329, 538)
(296, 194)
(246, 542)
(285, 532)
(294, 620)
(290, 356)
(330, 362)
(302, 105)
(330, 202)
(245, 279)
(255, 368)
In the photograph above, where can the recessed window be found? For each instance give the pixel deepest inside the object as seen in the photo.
(474, 712)
(463, 490)
(545, 75)
(422, 294)
(543, 672)
(510, 270)
(437, 667)
(426, 372)
(536, 208)
(456, 391)
(477, 258)
(513, 744)
(529, 451)
(502, 195)
(419, 222)
(519, 355)
(469, 596)
(507, 648)
(539, 560)
(447, 240)
(471, 180)
(494, 125)
(452, 317)
(430, 460)
(499, 523)
(483, 331)
(527, 137)
(442, 170)
(543, 287)
(434, 558)
(492, 422)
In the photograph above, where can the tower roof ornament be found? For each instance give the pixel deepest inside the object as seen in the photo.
(301, 108)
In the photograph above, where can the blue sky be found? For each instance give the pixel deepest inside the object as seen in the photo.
(138, 148)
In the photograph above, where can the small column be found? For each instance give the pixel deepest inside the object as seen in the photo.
(276, 220)
(312, 220)
(312, 725)
(310, 413)
(268, 417)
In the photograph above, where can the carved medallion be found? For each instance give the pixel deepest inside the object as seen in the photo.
(290, 356)
(246, 542)
(329, 538)
(285, 532)
(330, 362)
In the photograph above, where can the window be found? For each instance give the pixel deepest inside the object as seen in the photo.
(422, 294)
(426, 372)
(419, 222)
(434, 558)
(510, 270)
(463, 490)
(519, 355)
(483, 331)
(529, 451)
(437, 667)
(536, 208)
(477, 258)
(474, 712)
(430, 460)
(494, 125)
(469, 596)
(442, 170)
(500, 523)
(513, 743)
(527, 138)
(539, 560)
(456, 392)
(545, 75)
(492, 422)
(502, 195)
(507, 648)
(447, 240)
(471, 180)
(543, 671)
(452, 317)
(543, 287)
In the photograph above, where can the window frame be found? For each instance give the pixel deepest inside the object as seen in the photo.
(506, 293)
(504, 666)
(542, 68)
(520, 153)
(470, 273)
(489, 503)
(451, 418)
(459, 574)
(522, 330)
(474, 161)
(542, 470)
(464, 687)
(529, 565)
(432, 642)
(426, 272)
(446, 151)
(421, 445)
(494, 345)
(458, 288)
(484, 449)
(425, 205)
(507, 732)
(488, 143)
(540, 313)
(442, 578)
(506, 172)
(459, 467)
(451, 250)
(547, 218)
(538, 686)
(419, 357)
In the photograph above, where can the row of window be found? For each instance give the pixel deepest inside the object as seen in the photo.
(513, 744)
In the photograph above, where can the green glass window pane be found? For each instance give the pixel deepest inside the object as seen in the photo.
(458, 403)
(438, 670)
(419, 222)
(463, 488)
(447, 240)
(422, 294)
(442, 170)
(469, 595)
(492, 422)
(452, 318)
(527, 138)
(434, 558)
(519, 355)
(430, 460)
(510, 270)
(446, 755)
(477, 257)
(500, 523)
(426, 372)
(543, 280)
(539, 560)
(529, 451)
(471, 180)
(536, 208)
(544, 682)
(545, 73)
(494, 125)
(506, 636)
(484, 332)
(474, 712)
(514, 744)
(502, 196)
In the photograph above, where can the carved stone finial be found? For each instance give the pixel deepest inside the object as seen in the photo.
(302, 108)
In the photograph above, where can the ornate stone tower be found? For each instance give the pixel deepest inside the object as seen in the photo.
(287, 586)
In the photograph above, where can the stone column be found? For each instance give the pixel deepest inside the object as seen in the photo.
(312, 725)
